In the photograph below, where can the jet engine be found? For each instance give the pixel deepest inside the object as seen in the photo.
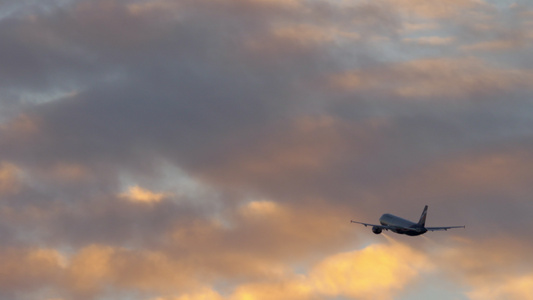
(376, 230)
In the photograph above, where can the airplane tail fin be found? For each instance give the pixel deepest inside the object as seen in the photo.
(422, 221)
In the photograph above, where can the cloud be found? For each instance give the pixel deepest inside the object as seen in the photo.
(431, 40)
(252, 239)
(89, 269)
(513, 288)
(498, 45)
(138, 194)
(66, 171)
(263, 208)
(9, 178)
(378, 271)
(205, 294)
(432, 79)
(302, 147)
(255, 129)
(433, 10)
(88, 272)
(495, 274)
(373, 272)
(26, 270)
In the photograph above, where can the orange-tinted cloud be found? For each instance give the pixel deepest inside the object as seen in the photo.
(90, 269)
(296, 149)
(493, 268)
(431, 40)
(67, 172)
(513, 288)
(437, 10)
(203, 294)
(94, 267)
(492, 172)
(430, 78)
(258, 236)
(497, 45)
(30, 269)
(297, 38)
(9, 178)
(138, 194)
(378, 271)
(22, 125)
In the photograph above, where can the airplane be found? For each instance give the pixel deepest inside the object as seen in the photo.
(403, 226)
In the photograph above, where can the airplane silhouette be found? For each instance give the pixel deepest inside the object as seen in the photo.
(403, 226)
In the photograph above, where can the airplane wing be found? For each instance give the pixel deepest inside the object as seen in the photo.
(375, 225)
(443, 228)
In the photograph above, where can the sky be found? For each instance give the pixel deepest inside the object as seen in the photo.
(218, 149)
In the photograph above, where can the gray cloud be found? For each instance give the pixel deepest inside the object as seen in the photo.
(286, 117)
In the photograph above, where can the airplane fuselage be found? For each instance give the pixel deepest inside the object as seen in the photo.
(401, 225)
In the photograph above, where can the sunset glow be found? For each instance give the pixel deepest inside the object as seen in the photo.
(218, 149)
